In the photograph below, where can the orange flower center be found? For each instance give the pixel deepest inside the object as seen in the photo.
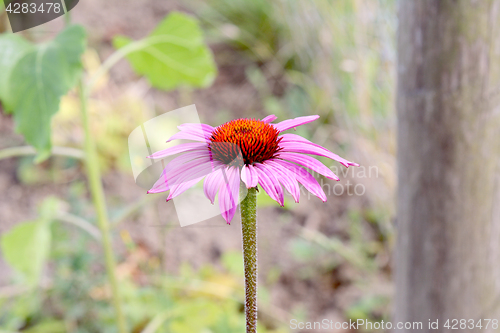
(244, 141)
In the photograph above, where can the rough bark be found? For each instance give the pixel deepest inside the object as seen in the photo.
(448, 102)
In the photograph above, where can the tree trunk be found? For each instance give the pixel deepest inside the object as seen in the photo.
(448, 102)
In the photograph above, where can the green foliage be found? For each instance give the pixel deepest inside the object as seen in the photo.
(12, 48)
(173, 55)
(37, 76)
(16, 313)
(252, 26)
(207, 300)
(26, 246)
(369, 308)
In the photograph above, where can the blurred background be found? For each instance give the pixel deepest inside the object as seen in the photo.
(317, 260)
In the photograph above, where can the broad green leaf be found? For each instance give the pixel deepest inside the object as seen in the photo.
(172, 55)
(72, 42)
(26, 247)
(37, 81)
(12, 47)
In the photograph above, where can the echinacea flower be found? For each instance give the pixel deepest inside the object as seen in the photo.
(249, 150)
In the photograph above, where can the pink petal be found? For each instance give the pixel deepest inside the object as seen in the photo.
(229, 193)
(212, 184)
(173, 169)
(194, 146)
(249, 176)
(191, 131)
(176, 173)
(305, 178)
(186, 157)
(189, 177)
(286, 178)
(199, 127)
(182, 187)
(161, 184)
(290, 123)
(269, 118)
(296, 144)
(191, 134)
(309, 162)
(270, 183)
(200, 171)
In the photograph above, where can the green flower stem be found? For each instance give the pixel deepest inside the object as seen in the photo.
(95, 184)
(249, 232)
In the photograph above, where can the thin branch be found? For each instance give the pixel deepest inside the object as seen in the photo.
(133, 47)
(81, 223)
(29, 150)
(18, 289)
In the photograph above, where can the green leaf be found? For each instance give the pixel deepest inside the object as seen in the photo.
(38, 79)
(172, 55)
(26, 248)
(12, 47)
(72, 42)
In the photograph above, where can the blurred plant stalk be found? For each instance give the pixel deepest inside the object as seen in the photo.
(249, 238)
(96, 189)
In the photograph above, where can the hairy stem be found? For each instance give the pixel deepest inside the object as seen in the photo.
(95, 184)
(249, 232)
